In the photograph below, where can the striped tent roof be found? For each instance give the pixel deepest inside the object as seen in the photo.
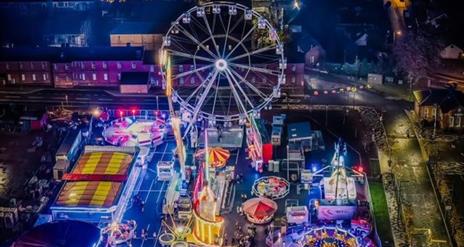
(103, 163)
(89, 194)
(90, 183)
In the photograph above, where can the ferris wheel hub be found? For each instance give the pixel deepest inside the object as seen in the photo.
(221, 64)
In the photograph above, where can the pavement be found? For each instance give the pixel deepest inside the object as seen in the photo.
(415, 188)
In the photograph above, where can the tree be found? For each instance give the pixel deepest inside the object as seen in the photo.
(417, 53)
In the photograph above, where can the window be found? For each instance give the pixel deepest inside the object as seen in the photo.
(82, 65)
(104, 65)
(94, 76)
(152, 68)
(34, 77)
(105, 76)
(32, 65)
(293, 79)
(294, 68)
(93, 65)
(83, 76)
(44, 76)
(192, 80)
(181, 81)
(66, 67)
(7, 66)
(133, 65)
(43, 65)
(458, 121)
(55, 67)
(21, 65)
(119, 76)
(9, 77)
(119, 65)
(451, 122)
(23, 77)
(181, 68)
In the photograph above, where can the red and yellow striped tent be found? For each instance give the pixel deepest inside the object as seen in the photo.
(217, 156)
(96, 180)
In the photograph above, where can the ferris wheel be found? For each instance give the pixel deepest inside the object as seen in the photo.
(226, 62)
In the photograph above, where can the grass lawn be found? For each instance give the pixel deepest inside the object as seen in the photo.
(381, 212)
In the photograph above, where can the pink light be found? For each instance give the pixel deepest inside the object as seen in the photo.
(121, 113)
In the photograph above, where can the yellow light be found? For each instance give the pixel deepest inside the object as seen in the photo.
(96, 112)
(168, 77)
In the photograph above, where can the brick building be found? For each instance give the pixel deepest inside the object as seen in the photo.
(444, 105)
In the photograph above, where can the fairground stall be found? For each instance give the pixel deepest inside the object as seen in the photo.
(99, 186)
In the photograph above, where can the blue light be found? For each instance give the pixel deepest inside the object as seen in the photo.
(314, 167)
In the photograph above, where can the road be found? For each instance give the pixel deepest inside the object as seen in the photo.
(152, 193)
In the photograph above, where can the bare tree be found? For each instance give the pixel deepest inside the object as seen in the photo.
(417, 53)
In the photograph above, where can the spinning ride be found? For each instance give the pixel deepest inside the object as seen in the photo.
(131, 131)
(329, 237)
(271, 187)
(259, 210)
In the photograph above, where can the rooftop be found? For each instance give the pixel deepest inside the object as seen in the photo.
(299, 131)
(90, 183)
(67, 54)
(134, 77)
(448, 99)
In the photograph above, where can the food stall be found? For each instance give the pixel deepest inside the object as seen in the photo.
(297, 215)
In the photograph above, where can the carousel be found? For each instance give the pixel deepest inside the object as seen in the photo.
(329, 237)
(118, 233)
(271, 187)
(217, 156)
(135, 131)
(259, 210)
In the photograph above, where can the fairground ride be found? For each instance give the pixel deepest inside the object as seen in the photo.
(216, 71)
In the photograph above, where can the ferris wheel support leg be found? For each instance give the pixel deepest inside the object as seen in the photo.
(201, 101)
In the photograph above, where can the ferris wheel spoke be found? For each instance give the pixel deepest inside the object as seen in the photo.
(241, 41)
(216, 93)
(227, 35)
(211, 79)
(212, 36)
(193, 94)
(249, 84)
(198, 24)
(186, 55)
(192, 71)
(189, 35)
(205, 93)
(264, 49)
(240, 88)
(256, 69)
(235, 94)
